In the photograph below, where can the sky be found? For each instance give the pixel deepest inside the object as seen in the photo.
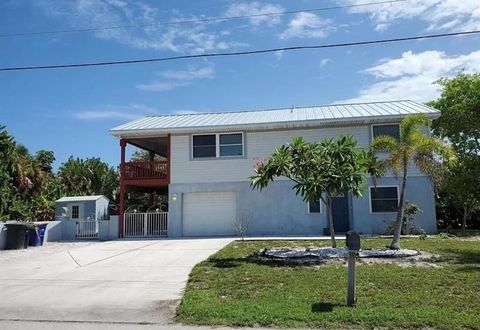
(70, 111)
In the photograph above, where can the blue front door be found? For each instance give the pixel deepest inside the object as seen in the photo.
(340, 211)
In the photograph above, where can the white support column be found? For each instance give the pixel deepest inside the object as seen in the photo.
(145, 221)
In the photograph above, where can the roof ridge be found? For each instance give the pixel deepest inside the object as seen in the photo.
(276, 109)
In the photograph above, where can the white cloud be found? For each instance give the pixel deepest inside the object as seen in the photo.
(437, 14)
(411, 76)
(161, 86)
(170, 79)
(126, 112)
(307, 25)
(323, 62)
(255, 8)
(190, 74)
(182, 38)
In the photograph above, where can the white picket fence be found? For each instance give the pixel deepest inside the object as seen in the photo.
(87, 229)
(150, 224)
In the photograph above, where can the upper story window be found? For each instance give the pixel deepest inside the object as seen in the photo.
(204, 146)
(217, 145)
(392, 130)
(231, 144)
(383, 199)
(75, 211)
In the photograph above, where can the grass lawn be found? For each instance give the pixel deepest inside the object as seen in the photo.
(236, 287)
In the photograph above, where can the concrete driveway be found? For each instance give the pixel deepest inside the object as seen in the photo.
(131, 282)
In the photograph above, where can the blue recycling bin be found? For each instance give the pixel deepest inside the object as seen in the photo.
(41, 232)
(36, 235)
(33, 238)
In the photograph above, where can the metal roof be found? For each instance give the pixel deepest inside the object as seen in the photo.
(336, 114)
(80, 198)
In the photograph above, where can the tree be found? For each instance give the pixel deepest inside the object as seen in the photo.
(413, 146)
(459, 124)
(459, 105)
(320, 171)
(29, 188)
(144, 155)
(462, 187)
(88, 177)
(7, 189)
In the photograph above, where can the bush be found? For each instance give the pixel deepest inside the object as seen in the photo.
(408, 224)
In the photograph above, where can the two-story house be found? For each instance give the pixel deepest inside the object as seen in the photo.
(206, 159)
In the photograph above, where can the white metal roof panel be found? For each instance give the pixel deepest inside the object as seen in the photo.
(80, 198)
(274, 118)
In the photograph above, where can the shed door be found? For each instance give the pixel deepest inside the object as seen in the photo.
(209, 214)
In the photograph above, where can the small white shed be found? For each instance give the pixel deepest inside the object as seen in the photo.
(82, 207)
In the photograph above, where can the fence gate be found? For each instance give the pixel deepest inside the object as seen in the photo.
(150, 224)
(87, 229)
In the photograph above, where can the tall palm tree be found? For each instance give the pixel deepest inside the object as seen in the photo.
(413, 146)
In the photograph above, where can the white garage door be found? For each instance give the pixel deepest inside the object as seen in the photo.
(208, 214)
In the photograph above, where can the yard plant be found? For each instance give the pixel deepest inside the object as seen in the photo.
(413, 146)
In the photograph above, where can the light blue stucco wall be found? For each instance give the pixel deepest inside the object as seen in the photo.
(276, 210)
(53, 232)
(419, 191)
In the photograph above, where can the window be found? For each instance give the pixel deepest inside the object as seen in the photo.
(204, 146)
(389, 130)
(217, 145)
(75, 211)
(231, 145)
(314, 208)
(384, 199)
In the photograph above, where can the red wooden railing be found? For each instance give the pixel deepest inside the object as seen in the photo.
(146, 170)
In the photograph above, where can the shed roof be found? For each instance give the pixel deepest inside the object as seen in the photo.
(336, 114)
(80, 198)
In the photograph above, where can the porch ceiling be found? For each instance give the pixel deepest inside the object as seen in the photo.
(158, 145)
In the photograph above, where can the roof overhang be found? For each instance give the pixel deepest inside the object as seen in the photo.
(284, 125)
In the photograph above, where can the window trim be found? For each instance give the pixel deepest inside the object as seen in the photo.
(217, 146)
(321, 208)
(382, 186)
(383, 124)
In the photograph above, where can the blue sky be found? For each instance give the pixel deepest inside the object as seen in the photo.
(70, 111)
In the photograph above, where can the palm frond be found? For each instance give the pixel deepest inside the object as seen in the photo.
(383, 143)
(429, 145)
(412, 124)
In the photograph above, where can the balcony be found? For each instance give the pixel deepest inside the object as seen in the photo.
(146, 173)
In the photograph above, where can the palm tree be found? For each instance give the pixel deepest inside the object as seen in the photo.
(413, 146)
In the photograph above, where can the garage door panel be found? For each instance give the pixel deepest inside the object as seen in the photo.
(209, 214)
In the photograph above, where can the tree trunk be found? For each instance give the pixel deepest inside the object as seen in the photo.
(399, 221)
(465, 217)
(330, 223)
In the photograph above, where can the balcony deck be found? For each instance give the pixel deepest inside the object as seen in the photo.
(146, 173)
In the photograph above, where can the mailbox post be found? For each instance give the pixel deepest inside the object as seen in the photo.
(353, 245)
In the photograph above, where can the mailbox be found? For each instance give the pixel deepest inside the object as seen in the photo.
(353, 241)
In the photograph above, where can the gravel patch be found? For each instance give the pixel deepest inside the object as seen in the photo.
(328, 255)
(328, 252)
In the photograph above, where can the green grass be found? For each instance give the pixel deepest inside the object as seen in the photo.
(236, 287)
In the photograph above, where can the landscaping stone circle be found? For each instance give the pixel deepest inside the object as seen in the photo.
(329, 253)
